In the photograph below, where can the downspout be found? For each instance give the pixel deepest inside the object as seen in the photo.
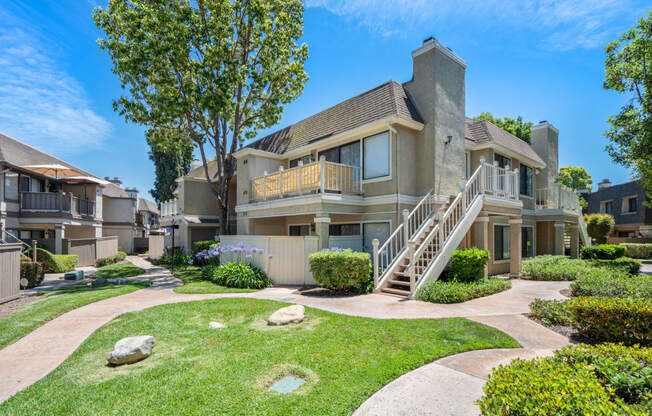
(393, 131)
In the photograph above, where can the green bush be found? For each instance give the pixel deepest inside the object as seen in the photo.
(638, 251)
(602, 252)
(625, 370)
(238, 275)
(54, 263)
(33, 272)
(342, 270)
(467, 265)
(454, 292)
(626, 264)
(612, 285)
(198, 246)
(623, 320)
(578, 380)
(552, 268)
(105, 261)
(599, 226)
(552, 312)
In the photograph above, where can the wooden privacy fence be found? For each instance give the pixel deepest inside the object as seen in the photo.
(288, 264)
(9, 272)
(91, 249)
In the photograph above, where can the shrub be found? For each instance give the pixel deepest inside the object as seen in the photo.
(467, 265)
(54, 263)
(623, 320)
(239, 275)
(638, 251)
(198, 246)
(342, 270)
(626, 370)
(602, 252)
(599, 226)
(612, 284)
(543, 386)
(626, 264)
(605, 379)
(552, 268)
(178, 259)
(105, 261)
(33, 272)
(552, 312)
(455, 292)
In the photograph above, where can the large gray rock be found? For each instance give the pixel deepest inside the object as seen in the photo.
(131, 349)
(289, 315)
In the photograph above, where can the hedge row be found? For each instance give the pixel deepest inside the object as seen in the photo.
(105, 261)
(552, 268)
(602, 252)
(454, 292)
(238, 275)
(624, 320)
(626, 264)
(638, 251)
(613, 285)
(198, 246)
(54, 263)
(578, 380)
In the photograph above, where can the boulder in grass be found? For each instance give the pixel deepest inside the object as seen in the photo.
(289, 315)
(130, 350)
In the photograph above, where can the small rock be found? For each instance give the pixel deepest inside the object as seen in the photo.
(131, 349)
(216, 325)
(289, 315)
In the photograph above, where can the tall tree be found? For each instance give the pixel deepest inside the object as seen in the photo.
(220, 70)
(171, 152)
(516, 126)
(627, 70)
(576, 178)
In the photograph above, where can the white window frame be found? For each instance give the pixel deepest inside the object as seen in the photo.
(603, 206)
(624, 206)
(390, 158)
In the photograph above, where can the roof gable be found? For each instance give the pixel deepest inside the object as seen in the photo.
(483, 131)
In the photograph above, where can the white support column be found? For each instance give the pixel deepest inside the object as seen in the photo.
(406, 230)
(322, 165)
(481, 236)
(264, 185)
(412, 269)
(300, 169)
(515, 246)
(374, 243)
(483, 174)
(516, 184)
(280, 182)
(322, 222)
(574, 241)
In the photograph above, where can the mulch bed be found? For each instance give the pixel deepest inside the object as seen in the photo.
(565, 330)
(322, 292)
(12, 306)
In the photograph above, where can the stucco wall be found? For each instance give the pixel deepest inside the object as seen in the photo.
(118, 210)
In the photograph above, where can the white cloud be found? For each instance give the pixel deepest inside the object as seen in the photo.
(562, 24)
(40, 103)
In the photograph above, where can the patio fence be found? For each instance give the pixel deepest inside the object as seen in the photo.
(156, 244)
(91, 249)
(9, 272)
(288, 264)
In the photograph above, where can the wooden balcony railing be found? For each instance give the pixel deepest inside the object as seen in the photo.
(56, 202)
(317, 177)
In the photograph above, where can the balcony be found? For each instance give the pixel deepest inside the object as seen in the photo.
(56, 203)
(170, 208)
(317, 177)
(557, 197)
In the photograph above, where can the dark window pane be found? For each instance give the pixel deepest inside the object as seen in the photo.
(633, 204)
(331, 155)
(527, 244)
(299, 230)
(526, 180)
(502, 160)
(350, 154)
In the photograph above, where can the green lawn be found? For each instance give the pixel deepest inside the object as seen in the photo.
(54, 303)
(120, 270)
(193, 283)
(195, 370)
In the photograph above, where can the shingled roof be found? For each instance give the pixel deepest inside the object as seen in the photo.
(147, 205)
(388, 99)
(17, 153)
(483, 131)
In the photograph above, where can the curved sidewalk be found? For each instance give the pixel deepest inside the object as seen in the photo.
(37, 354)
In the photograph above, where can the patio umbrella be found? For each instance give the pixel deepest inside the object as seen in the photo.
(53, 170)
(84, 179)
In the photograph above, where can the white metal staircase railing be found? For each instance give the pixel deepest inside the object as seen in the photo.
(386, 255)
(422, 253)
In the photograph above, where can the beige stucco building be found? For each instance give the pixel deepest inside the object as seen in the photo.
(403, 165)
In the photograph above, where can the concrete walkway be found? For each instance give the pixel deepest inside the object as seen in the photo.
(448, 386)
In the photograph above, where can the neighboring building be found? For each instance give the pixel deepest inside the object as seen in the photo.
(148, 217)
(46, 199)
(194, 212)
(119, 214)
(349, 173)
(626, 203)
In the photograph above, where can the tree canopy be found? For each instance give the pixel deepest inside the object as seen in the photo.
(575, 177)
(627, 71)
(171, 152)
(219, 70)
(515, 126)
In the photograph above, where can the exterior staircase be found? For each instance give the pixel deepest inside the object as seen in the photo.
(420, 248)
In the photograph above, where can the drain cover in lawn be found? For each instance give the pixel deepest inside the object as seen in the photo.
(287, 385)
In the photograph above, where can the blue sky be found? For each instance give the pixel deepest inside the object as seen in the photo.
(542, 60)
